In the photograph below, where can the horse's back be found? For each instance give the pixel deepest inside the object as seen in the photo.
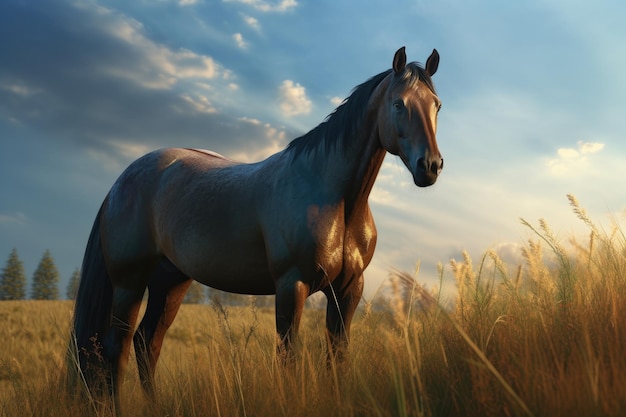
(136, 187)
(130, 228)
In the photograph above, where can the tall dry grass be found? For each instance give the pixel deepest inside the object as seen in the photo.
(546, 338)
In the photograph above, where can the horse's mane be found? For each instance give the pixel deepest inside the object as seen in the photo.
(343, 122)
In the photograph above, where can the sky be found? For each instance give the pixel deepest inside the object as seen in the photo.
(533, 99)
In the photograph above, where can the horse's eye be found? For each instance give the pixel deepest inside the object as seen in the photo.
(398, 105)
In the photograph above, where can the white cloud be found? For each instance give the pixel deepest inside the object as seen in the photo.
(336, 101)
(590, 147)
(267, 6)
(250, 120)
(240, 41)
(293, 99)
(277, 136)
(252, 22)
(199, 103)
(188, 64)
(187, 2)
(572, 161)
(205, 86)
(158, 67)
(567, 153)
(276, 142)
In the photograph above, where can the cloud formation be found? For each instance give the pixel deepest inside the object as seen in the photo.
(199, 103)
(141, 59)
(252, 22)
(336, 101)
(293, 99)
(129, 87)
(240, 41)
(572, 161)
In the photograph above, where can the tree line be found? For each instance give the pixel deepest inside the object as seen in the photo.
(45, 286)
(44, 283)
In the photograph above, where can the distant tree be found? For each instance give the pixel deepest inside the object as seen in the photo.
(12, 279)
(45, 279)
(72, 286)
(195, 294)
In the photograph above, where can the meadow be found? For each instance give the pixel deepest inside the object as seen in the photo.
(545, 338)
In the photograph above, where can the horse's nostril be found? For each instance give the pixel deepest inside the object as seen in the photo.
(434, 167)
(421, 163)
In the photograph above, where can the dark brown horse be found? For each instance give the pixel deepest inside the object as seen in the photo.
(293, 224)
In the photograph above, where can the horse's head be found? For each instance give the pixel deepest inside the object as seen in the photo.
(407, 117)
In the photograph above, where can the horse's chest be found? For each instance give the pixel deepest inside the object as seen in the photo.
(326, 229)
(341, 246)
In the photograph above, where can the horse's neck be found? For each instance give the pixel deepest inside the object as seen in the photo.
(348, 167)
(363, 156)
(366, 162)
(351, 170)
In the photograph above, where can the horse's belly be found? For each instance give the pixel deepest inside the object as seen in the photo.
(234, 270)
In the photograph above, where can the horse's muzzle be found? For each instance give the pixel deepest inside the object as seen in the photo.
(427, 171)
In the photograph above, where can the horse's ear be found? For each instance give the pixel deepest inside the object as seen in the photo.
(432, 63)
(399, 60)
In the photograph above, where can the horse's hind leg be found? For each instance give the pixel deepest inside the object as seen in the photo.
(166, 291)
(116, 343)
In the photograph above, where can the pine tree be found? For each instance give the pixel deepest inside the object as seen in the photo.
(72, 286)
(45, 279)
(12, 279)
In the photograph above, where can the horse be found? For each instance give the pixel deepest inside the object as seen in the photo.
(293, 224)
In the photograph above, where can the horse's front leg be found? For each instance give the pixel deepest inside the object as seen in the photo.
(342, 304)
(291, 293)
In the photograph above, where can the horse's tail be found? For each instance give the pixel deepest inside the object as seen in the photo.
(92, 314)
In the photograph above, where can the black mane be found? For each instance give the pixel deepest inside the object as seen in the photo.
(343, 122)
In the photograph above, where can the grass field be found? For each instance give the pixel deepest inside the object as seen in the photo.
(547, 339)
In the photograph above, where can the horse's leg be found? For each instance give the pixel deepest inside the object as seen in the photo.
(342, 303)
(116, 343)
(166, 291)
(291, 293)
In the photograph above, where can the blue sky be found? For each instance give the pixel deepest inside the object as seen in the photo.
(533, 108)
